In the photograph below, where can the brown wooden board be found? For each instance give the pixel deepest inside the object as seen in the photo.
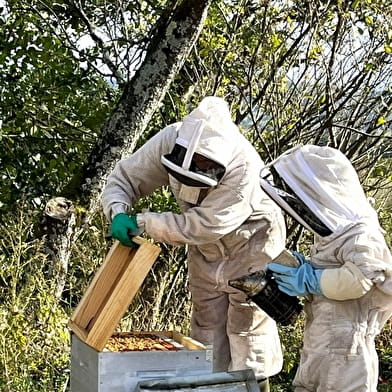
(111, 291)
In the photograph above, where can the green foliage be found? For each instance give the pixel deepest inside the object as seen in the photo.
(294, 71)
(34, 342)
(291, 339)
(51, 109)
(384, 351)
(88, 252)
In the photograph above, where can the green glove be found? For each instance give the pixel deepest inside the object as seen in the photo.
(122, 228)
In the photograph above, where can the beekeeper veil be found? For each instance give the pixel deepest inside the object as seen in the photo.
(319, 187)
(204, 146)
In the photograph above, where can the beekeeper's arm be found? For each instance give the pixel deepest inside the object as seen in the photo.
(138, 175)
(369, 252)
(132, 178)
(342, 283)
(224, 208)
(345, 282)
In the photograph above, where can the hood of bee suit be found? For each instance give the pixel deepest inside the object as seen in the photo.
(208, 131)
(324, 181)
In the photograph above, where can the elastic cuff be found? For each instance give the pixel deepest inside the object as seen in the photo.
(141, 221)
(116, 209)
(318, 273)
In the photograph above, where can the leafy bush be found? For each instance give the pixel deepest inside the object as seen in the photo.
(34, 346)
(291, 339)
(384, 351)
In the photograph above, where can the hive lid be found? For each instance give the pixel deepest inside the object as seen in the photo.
(111, 291)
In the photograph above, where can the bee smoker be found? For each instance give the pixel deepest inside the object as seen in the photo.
(262, 289)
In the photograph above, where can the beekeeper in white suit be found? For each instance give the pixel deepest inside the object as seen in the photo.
(231, 226)
(348, 274)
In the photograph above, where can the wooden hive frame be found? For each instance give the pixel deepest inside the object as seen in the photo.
(111, 291)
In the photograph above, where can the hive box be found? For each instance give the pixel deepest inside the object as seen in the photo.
(93, 371)
(97, 315)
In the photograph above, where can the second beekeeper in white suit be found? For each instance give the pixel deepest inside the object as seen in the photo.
(347, 279)
(231, 226)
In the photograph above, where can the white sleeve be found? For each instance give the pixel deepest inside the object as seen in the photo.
(138, 175)
(346, 282)
(117, 208)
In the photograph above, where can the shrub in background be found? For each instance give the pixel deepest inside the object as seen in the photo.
(34, 341)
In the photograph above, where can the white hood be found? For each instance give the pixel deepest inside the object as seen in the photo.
(325, 180)
(209, 131)
(217, 131)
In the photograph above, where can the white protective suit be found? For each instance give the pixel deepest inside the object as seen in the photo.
(339, 339)
(231, 227)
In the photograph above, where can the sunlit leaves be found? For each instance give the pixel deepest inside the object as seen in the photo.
(49, 106)
(381, 120)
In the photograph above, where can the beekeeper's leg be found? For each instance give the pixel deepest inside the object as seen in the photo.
(338, 353)
(208, 324)
(254, 338)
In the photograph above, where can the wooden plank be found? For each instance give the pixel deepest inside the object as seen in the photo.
(80, 332)
(122, 293)
(111, 291)
(187, 342)
(101, 285)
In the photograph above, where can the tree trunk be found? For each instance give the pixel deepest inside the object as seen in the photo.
(169, 47)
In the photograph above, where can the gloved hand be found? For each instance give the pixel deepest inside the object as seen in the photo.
(300, 257)
(297, 281)
(122, 226)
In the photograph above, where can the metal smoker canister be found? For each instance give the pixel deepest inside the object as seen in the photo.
(263, 290)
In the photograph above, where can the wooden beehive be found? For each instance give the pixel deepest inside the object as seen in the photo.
(111, 291)
(106, 371)
(93, 367)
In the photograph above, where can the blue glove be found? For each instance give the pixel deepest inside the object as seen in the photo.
(297, 281)
(300, 257)
(122, 228)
